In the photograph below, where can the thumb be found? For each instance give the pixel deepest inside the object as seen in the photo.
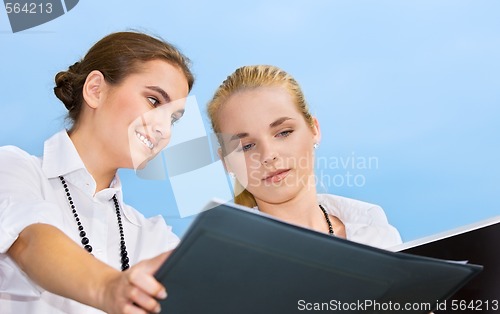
(148, 283)
(153, 264)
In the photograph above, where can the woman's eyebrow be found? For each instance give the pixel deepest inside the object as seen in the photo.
(159, 90)
(238, 136)
(274, 124)
(279, 121)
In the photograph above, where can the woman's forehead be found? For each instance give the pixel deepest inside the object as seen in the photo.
(262, 102)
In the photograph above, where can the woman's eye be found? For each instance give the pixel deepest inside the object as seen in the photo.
(176, 116)
(246, 147)
(154, 102)
(284, 133)
(174, 119)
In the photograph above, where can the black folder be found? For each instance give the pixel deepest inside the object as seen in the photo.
(477, 243)
(235, 261)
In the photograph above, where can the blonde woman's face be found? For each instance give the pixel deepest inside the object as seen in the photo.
(267, 143)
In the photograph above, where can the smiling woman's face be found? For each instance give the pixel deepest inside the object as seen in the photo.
(268, 144)
(135, 120)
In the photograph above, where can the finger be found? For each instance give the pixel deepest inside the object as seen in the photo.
(142, 276)
(133, 309)
(144, 301)
(147, 283)
(154, 263)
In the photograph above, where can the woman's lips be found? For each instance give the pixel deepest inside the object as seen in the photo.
(145, 140)
(276, 176)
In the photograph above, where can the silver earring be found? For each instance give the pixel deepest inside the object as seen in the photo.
(232, 175)
(316, 145)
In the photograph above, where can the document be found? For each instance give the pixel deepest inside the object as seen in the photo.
(476, 243)
(235, 261)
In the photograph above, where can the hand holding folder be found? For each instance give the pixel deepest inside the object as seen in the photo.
(235, 261)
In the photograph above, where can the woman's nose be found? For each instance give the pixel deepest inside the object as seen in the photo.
(269, 155)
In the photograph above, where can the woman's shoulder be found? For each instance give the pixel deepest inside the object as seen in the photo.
(137, 218)
(340, 204)
(352, 210)
(157, 234)
(365, 222)
(15, 158)
(10, 151)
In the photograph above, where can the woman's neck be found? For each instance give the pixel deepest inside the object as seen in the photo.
(302, 210)
(93, 159)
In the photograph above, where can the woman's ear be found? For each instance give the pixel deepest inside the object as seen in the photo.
(316, 130)
(93, 89)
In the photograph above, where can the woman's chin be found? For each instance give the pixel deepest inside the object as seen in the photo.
(140, 160)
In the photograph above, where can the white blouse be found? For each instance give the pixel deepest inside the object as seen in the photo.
(364, 223)
(31, 192)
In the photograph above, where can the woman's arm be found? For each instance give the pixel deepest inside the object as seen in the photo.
(59, 265)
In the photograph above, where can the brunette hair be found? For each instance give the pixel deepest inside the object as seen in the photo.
(116, 56)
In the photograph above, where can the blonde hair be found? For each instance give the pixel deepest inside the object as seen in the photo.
(252, 77)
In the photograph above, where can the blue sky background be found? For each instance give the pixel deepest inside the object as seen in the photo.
(414, 85)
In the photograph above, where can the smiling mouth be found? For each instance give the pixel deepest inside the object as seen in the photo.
(144, 140)
(277, 176)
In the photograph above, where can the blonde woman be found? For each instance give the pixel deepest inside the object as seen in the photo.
(267, 138)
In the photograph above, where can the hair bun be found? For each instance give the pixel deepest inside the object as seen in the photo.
(75, 68)
(65, 81)
(64, 88)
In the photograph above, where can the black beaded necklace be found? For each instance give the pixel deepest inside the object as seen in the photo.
(330, 228)
(85, 241)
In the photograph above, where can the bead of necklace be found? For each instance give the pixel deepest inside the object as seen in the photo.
(83, 235)
(327, 218)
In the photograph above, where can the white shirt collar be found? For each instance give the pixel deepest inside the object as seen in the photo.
(60, 156)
